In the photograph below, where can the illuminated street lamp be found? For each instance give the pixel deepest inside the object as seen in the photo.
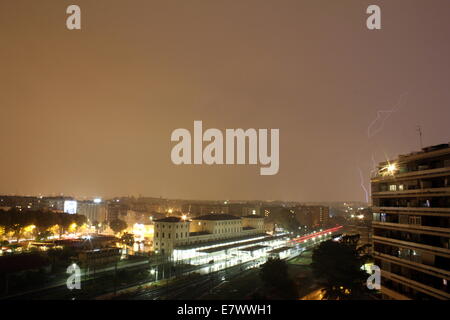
(154, 272)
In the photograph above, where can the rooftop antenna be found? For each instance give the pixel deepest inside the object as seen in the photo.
(419, 130)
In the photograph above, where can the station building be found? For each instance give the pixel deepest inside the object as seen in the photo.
(215, 240)
(172, 232)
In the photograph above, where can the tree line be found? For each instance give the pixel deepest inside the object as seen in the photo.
(15, 221)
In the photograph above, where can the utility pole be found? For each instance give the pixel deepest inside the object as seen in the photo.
(419, 130)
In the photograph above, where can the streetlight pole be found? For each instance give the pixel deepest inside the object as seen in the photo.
(115, 278)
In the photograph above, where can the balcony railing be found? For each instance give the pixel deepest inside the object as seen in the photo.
(410, 209)
(380, 176)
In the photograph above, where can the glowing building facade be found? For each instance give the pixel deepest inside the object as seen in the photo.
(411, 224)
(172, 232)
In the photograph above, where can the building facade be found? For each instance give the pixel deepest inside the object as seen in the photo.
(312, 216)
(94, 212)
(411, 224)
(172, 232)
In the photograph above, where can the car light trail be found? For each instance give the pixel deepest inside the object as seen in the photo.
(314, 235)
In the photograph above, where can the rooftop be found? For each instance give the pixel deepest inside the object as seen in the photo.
(278, 250)
(254, 248)
(424, 153)
(169, 219)
(234, 245)
(253, 216)
(222, 242)
(198, 233)
(217, 217)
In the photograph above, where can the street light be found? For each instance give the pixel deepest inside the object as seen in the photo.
(154, 272)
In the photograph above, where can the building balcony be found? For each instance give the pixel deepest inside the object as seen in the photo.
(433, 292)
(393, 294)
(419, 210)
(429, 173)
(435, 231)
(443, 252)
(416, 265)
(437, 192)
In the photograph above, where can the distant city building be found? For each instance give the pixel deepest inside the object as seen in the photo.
(115, 210)
(56, 203)
(195, 209)
(93, 210)
(313, 216)
(411, 224)
(215, 207)
(360, 223)
(70, 206)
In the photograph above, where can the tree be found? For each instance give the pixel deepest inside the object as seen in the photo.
(64, 221)
(43, 220)
(79, 219)
(286, 219)
(18, 221)
(118, 225)
(127, 239)
(351, 239)
(15, 221)
(337, 265)
(274, 274)
(44, 235)
(96, 224)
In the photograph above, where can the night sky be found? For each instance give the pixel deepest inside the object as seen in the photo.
(90, 112)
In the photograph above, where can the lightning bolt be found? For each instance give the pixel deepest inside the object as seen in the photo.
(375, 127)
(362, 184)
(377, 124)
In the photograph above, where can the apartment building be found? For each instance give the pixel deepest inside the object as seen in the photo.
(411, 224)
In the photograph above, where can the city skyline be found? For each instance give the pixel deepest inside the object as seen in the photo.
(90, 112)
(225, 158)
